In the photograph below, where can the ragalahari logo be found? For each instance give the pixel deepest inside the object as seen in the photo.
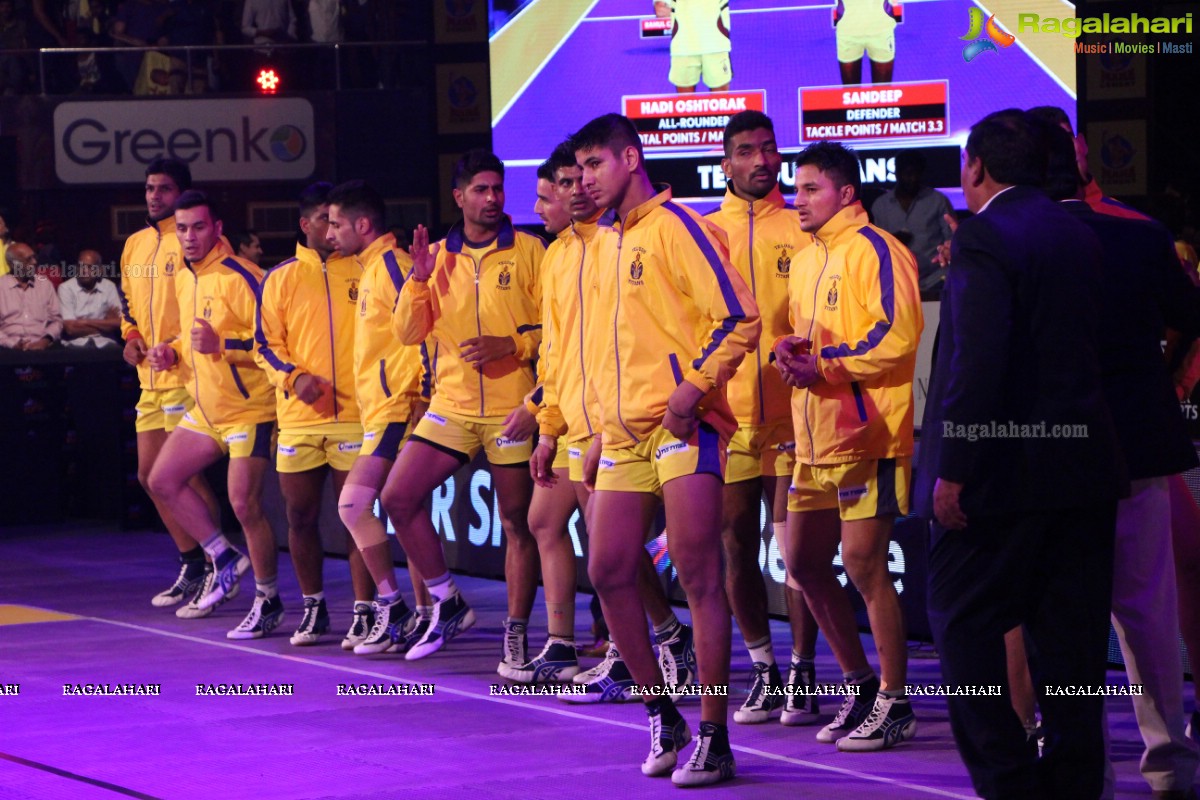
(996, 36)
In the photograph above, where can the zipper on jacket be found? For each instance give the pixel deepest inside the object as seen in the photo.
(195, 374)
(616, 346)
(812, 447)
(332, 350)
(762, 407)
(582, 368)
(478, 325)
(153, 276)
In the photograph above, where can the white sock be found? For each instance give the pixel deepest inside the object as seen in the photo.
(762, 652)
(216, 545)
(441, 587)
(269, 587)
(319, 596)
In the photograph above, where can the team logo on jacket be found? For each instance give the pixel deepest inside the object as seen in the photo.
(784, 265)
(353, 291)
(169, 267)
(636, 267)
(831, 297)
(207, 308)
(505, 278)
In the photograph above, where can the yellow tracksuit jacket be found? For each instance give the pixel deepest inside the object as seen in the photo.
(854, 295)
(228, 386)
(149, 262)
(498, 296)
(389, 374)
(306, 325)
(566, 281)
(764, 238)
(668, 308)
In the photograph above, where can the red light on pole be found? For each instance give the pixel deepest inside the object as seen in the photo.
(268, 81)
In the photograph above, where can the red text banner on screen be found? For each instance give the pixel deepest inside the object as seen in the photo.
(674, 121)
(882, 111)
(655, 27)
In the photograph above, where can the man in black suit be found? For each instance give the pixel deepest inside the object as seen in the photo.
(1019, 464)
(1143, 291)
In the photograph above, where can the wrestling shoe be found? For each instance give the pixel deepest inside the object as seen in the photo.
(228, 570)
(677, 658)
(669, 733)
(765, 698)
(854, 710)
(557, 662)
(392, 620)
(184, 587)
(890, 722)
(514, 652)
(712, 760)
(360, 628)
(265, 615)
(609, 682)
(313, 624)
(799, 704)
(192, 609)
(450, 617)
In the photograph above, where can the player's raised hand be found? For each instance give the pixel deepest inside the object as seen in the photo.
(422, 257)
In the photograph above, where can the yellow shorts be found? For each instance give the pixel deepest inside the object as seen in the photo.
(384, 440)
(161, 409)
(858, 489)
(757, 451)
(879, 45)
(463, 437)
(562, 458)
(336, 444)
(715, 68)
(660, 458)
(251, 440)
(575, 454)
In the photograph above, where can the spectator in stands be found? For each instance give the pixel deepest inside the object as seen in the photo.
(69, 25)
(248, 245)
(29, 313)
(267, 22)
(91, 308)
(915, 214)
(138, 23)
(13, 36)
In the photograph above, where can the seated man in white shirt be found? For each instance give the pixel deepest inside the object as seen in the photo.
(91, 308)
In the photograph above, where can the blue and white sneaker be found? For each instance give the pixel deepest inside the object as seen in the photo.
(800, 705)
(265, 615)
(184, 587)
(192, 609)
(227, 572)
(677, 658)
(557, 662)
(450, 617)
(667, 738)
(854, 710)
(360, 626)
(610, 682)
(765, 698)
(890, 722)
(313, 624)
(413, 633)
(514, 653)
(391, 622)
(712, 760)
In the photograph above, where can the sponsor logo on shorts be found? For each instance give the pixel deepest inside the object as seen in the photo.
(607, 463)
(287, 451)
(368, 436)
(434, 418)
(502, 441)
(179, 409)
(237, 437)
(785, 447)
(668, 449)
(852, 493)
(574, 452)
(187, 417)
(349, 447)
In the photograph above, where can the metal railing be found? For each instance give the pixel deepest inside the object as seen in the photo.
(188, 54)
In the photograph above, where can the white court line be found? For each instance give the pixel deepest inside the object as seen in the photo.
(533, 76)
(545, 709)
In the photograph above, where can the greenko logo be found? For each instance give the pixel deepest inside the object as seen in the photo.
(996, 36)
(1105, 23)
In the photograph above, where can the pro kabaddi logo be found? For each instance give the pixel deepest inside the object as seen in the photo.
(996, 36)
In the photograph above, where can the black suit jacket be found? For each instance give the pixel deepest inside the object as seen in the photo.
(1017, 361)
(1144, 291)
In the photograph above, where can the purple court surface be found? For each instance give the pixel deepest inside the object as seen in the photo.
(74, 609)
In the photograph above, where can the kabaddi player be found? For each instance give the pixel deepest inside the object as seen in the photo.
(865, 27)
(477, 294)
(672, 322)
(700, 44)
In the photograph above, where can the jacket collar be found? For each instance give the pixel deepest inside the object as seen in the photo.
(1011, 194)
(385, 242)
(505, 238)
(219, 253)
(163, 226)
(738, 207)
(587, 227)
(849, 219)
(663, 196)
